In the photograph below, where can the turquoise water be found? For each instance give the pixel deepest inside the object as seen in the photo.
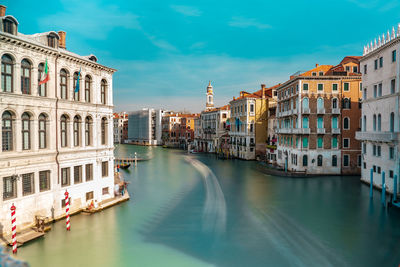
(199, 211)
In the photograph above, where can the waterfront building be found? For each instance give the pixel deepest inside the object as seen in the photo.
(380, 68)
(249, 124)
(144, 126)
(119, 121)
(213, 125)
(55, 137)
(318, 114)
(272, 125)
(170, 125)
(187, 127)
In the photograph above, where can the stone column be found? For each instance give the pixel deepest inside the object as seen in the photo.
(70, 133)
(17, 78)
(17, 135)
(34, 81)
(34, 134)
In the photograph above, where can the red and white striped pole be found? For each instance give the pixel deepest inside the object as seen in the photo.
(67, 210)
(14, 229)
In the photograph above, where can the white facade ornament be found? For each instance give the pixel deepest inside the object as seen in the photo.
(393, 33)
(398, 30)
(375, 44)
(379, 41)
(388, 36)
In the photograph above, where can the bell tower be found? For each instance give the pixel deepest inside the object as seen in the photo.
(210, 97)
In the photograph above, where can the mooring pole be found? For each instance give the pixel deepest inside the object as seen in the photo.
(395, 187)
(135, 159)
(371, 184)
(383, 189)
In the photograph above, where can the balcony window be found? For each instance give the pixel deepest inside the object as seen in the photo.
(320, 122)
(320, 141)
(305, 122)
(305, 142)
(334, 142)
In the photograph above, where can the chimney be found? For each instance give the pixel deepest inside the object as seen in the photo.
(262, 86)
(2, 10)
(316, 65)
(61, 43)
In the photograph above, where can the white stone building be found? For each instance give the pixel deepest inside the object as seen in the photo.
(53, 139)
(380, 66)
(144, 126)
(119, 120)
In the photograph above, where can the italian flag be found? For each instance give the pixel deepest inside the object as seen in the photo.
(45, 76)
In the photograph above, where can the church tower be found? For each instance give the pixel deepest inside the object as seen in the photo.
(210, 97)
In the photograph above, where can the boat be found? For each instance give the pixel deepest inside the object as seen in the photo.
(125, 165)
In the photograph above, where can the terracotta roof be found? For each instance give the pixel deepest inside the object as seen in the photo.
(320, 68)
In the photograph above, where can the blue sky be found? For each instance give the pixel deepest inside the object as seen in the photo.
(167, 51)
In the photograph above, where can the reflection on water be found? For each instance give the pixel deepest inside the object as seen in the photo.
(198, 211)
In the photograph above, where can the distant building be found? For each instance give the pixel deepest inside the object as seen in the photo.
(318, 115)
(144, 126)
(119, 121)
(53, 138)
(249, 125)
(380, 66)
(210, 97)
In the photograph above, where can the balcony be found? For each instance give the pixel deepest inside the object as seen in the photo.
(336, 111)
(320, 130)
(306, 111)
(284, 131)
(377, 136)
(320, 111)
(335, 130)
(296, 131)
(305, 130)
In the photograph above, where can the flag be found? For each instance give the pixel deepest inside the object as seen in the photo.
(45, 77)
(77, 81)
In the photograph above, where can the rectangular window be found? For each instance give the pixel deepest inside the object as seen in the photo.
(44, 181)
(105, 191)
(305, 142)
(364, 146)
(320, 87)
(77, 174)
(378, 151)
(63, 202)
(320, 142)
(104, 169)
(391, 152)
(89, 195)
(251, 107)
(380, 62)
(334, 161)
(89, 172)
(375, 90)
(365, 165)
(28, 187)
(65, 177)
(365, 69)
(390, 174)
(359, 160)
(394, 56)
(346, 87)
(334, 87)
(346, 142)
(9, 187)
(378, 169)
(360, 87)
(355, 69)
(376, 64)
(392, 86)
(374, 150)
(380, 89)
(346, 160)
(374, 168)
(314, 74)
(334, 142)
(305, 87)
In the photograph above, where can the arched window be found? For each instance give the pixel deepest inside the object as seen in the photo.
(320, 103)
(334, 161)
(319, 160)
(334, 103)
(334, 122)
(305, 122)
(365, 124)
(64, 131)
(42, 131)
(77, 129)
(305, 103)
(7, 75)
(346, 103)
(346, 123)
(374, 122)
(305, 160)
(7, 131)
(103, 91)
(379, 122)
(392, 122)
(64, 84)
(26, 77)
(26, 131)
(320, 122)
(88, 131)
(75, 85)
(103, 130)
(88, 82)
(42, 89)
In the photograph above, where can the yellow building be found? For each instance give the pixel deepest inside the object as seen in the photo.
(249, 124)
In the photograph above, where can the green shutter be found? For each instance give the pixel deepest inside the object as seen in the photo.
(346, 86)
(305, 142)
(334, 142)
(320, 141)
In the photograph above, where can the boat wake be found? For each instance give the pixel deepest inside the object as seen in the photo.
(214, 212)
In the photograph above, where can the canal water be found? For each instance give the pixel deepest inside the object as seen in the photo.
(195, 210)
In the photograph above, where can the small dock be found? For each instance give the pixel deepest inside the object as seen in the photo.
(127, 160)
(23, 237)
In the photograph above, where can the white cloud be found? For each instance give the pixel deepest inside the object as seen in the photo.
(188, 11)
(242, 22)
